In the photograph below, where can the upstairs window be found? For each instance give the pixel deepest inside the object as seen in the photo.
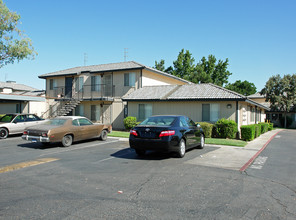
(129, 79)
(79, 84)
(52, 84)
(95, 83)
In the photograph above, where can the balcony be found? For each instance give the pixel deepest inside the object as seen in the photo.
(86, 92)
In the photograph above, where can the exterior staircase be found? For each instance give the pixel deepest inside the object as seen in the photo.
(67, 107)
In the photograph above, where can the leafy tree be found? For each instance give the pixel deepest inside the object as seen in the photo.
(281, 93)
(206, 71)
(159, 65)
(209, 71)
(184, 65)
(245, 88)
(14, 46)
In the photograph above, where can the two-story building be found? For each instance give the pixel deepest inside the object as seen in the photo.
(96, 91)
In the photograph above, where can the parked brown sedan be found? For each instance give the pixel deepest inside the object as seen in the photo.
(66, 129)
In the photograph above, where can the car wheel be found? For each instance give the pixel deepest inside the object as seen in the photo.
(202, 142)
(182, 148)
(103, 135)
(3, 133)
(140, 152)
(67, 140)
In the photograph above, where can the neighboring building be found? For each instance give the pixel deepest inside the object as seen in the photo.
(19, 98)
(201, 102)
(96, 91)
(274, 116)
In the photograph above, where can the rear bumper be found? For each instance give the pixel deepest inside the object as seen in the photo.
(169, 145)
(35, 138)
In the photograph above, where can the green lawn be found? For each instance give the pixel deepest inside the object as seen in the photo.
(230, 142)
(122, 134)
(218, 141)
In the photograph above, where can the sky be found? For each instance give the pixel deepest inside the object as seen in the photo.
(257, 37)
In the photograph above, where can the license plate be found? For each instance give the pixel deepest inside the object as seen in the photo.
(34, 140)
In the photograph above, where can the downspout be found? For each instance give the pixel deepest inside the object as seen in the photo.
(237, 119)
(256, 115)
(141, 79)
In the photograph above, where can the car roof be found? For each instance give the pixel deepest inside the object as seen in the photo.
(69, 117)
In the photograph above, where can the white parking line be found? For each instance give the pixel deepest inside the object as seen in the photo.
(71, 148)
(258, 163)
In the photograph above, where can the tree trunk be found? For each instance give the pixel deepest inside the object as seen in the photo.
(285, 119)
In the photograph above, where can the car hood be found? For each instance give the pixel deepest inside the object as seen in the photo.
(2, 123)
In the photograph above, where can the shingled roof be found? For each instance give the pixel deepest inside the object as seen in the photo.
(15, 86)
(191, 92)
(130, 65)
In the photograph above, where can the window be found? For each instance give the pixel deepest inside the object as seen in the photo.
(210, 112)
(96, 83)
(84, 121)
(129, 79)
(79, 84)
(252, 114)
(52, 84)
(95, 112)
(79, 110)
(145, 111)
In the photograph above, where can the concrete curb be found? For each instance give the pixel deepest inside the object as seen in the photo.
(243, 168)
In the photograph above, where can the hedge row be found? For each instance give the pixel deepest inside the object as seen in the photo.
(250, 132)
(223, 128)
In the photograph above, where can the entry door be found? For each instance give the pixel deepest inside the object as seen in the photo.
(68, 87)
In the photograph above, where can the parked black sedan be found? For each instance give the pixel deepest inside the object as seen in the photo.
(166, 133)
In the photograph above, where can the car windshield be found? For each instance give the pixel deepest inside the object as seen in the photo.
(159, 120)
(56, 121)
(7, 118)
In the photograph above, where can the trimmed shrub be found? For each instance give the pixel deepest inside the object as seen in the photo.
(264, 127)
(207, 128)
(130, 122)
(257, 130)
(270, 126)
(226, 128)
(248, 132)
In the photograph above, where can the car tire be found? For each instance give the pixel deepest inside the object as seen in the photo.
(202, 142)
(67, 140)
(140, 152)
(3, 133)
(182, 148)
(103, 135)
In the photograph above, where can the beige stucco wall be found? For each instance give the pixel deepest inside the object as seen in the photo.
(7, 108)
(154, 79)
(37, 107)
(192, 109)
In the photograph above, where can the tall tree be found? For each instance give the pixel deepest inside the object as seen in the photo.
(245, 88)
(14, 45)
(281, 93)
(184, 65)
(159, 65)
(209, 71)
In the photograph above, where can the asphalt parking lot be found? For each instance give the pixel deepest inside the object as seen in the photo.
(107, 180)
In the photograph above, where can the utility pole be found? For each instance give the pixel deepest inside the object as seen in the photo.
(125, 54)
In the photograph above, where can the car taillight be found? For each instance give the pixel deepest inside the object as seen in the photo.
(166, 133)
(44, 134)
(133, 132)
(25, 132)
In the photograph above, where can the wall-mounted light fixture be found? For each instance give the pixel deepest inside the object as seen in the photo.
(229, 106)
